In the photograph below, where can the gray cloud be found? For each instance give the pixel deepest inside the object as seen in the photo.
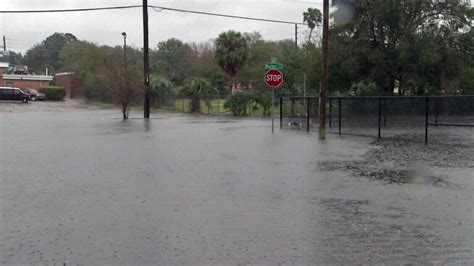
(104, 27)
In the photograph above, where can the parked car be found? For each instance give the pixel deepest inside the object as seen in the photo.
(13, 94)
(35, 94)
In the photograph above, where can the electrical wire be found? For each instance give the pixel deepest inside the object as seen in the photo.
(155, 8)
(225, 15)
(67, 10)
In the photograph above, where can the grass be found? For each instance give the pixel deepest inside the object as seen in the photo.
(216, 107)
(183, 106)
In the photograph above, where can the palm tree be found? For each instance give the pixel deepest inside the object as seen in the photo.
(196, 88)
(161, 90)
(312, 17)
(232, 52)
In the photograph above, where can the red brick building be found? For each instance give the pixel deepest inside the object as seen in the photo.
(23, 80)
(74, 87)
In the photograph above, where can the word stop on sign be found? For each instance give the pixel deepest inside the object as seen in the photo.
(274, 78)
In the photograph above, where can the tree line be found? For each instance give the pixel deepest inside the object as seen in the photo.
(403, 47)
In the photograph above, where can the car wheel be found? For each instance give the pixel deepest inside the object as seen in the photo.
(33, 98)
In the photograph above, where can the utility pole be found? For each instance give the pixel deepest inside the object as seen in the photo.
(296, 35)
(4, 44)
(124, 34)
(324, 82)
(304, 85)
(146, 63)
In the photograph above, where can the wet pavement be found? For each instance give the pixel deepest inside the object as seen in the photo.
(84, 187)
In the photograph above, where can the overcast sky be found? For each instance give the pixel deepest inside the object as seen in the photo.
(105, 27)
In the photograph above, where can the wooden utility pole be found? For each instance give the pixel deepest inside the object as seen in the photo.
(146, 63)
(296, 35)
(324, 81)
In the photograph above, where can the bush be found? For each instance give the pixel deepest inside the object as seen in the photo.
(365, 89)
(196, 88)
(238, 103)
(263, 98)
(467, 81)
(54, 93)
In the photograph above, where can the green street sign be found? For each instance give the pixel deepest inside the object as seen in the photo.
(274, 65)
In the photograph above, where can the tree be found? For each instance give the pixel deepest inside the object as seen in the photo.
(312, 17)
(85, 60)
(174, 60)
(195, 88)
(12, 58)
(103, 72)
(260, 53)
(47, 53)
(405, 45)
(124, 81)
(207, 68)
(232, 51)
(238, 103)
(160, 89)
(263, 98)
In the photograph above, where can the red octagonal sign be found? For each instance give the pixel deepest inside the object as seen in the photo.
(274, 78)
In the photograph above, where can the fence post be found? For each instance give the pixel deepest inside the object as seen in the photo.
(292, 106)
(384, 112)
(330, 112)
(218, 102)
(427, 111)
(340, 114)
(307, 114)
(281, 112)
(380, 115)
(436, 110)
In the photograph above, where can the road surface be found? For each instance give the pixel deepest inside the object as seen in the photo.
(80, 186)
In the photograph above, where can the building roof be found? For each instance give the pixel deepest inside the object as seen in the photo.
(4, 65)
(64, 74)
(27, 77)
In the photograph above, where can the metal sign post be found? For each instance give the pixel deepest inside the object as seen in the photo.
(273, 79)
(273, 106)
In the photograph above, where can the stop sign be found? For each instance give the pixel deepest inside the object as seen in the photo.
(274, 78)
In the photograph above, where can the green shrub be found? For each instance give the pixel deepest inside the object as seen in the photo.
(467, 81)
(238, 103)
(263, 98)
(365, 89)
(54, 93)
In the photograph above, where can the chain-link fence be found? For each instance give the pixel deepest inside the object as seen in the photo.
(211, 105)
(411, 117)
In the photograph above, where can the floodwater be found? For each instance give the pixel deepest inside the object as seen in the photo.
(84, 187)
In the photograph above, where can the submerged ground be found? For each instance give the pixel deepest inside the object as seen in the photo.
(81, 186)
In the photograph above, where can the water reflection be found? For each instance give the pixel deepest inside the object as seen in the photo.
(147, 124)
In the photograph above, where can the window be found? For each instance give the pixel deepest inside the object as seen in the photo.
(9, 84)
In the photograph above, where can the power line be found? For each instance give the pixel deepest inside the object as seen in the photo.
(300, 2)
(224, 15)
(156, 8)
(68, 10)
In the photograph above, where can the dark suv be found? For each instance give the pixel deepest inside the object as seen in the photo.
(35, 95)
(13, 94)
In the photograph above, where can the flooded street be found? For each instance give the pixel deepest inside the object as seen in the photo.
(84, 187)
